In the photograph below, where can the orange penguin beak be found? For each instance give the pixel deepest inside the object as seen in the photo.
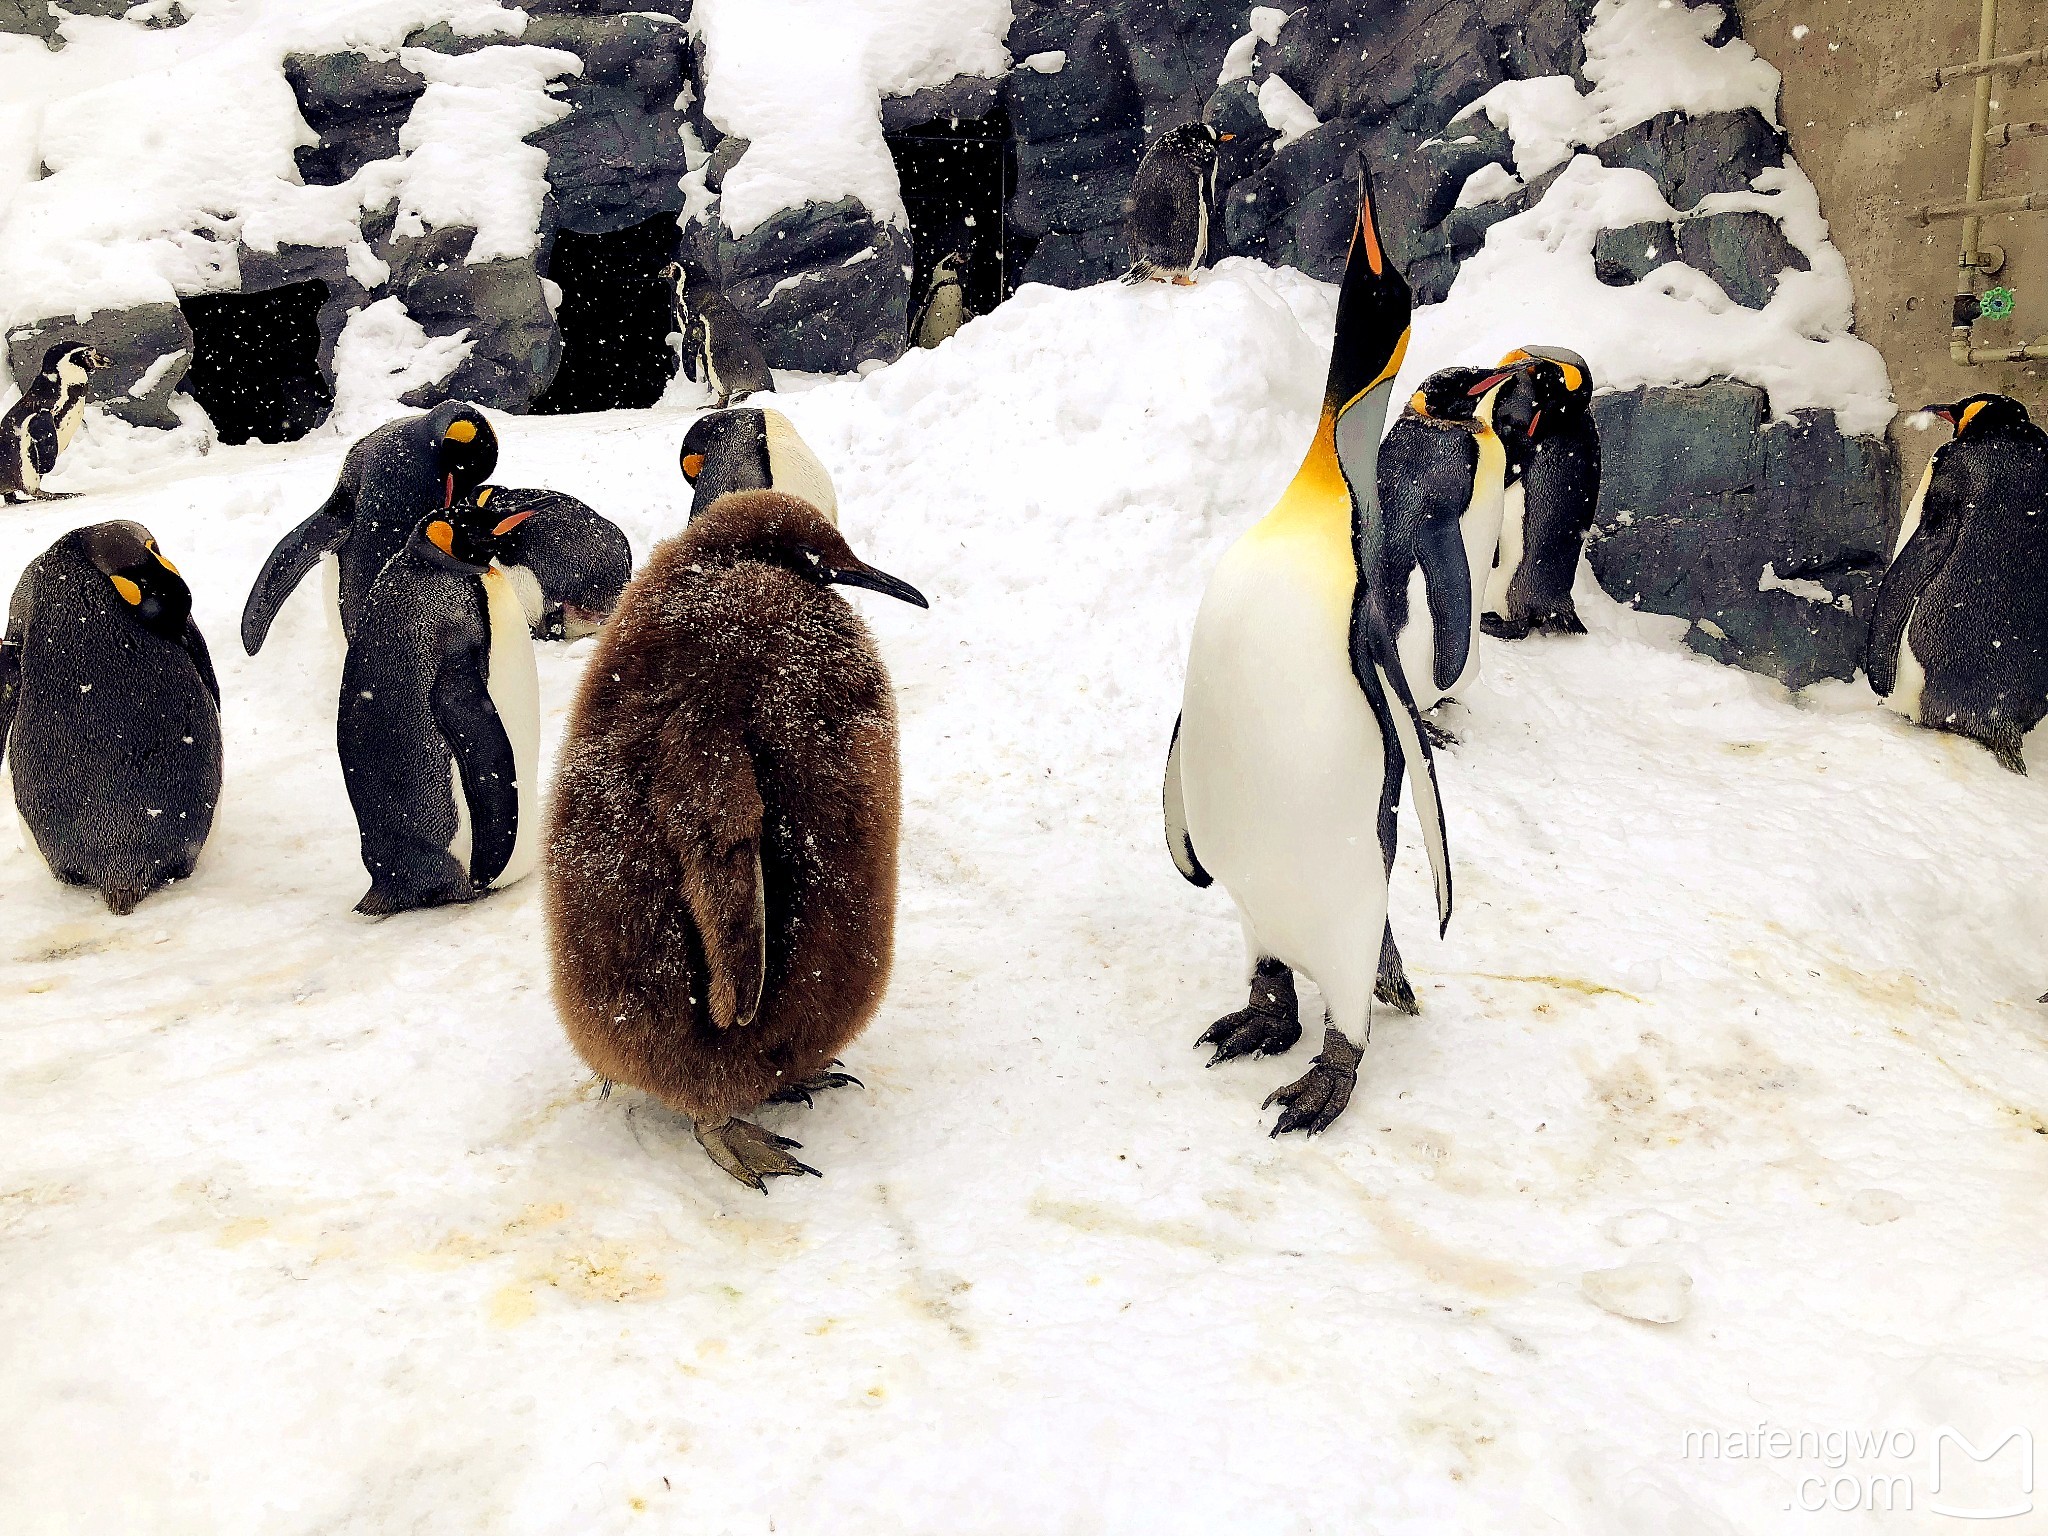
(448, 494)
(510, 523)
(1489, 381)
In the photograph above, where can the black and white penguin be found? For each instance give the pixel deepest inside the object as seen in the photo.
(110, 713)
(753, 450)
(568, 562)
(391, 478)
(1296, 724)
(943, 309)
(1545, 421)
(42, 422)
(720, 349)
(1172, 205)
(1959, 637)
(439, 723)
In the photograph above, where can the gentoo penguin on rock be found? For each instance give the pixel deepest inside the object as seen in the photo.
(1172, 205)
(568, 562)
(721, 854)
(1296, 724)
(110, 714)
(719, 348)
(1959, 638)
(944, 307)
(391, 478)
(439, 723)
(753, 450)
(1545, 421)
(41, 424)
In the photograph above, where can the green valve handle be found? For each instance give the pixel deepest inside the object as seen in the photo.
(1995, 304)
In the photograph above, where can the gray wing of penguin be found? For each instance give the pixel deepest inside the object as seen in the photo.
(1178, 842)
(42, 442)
(300, 550)
(1422, 471)
(195, 647)
(468, 721)
(11, 647)
(1918, 563)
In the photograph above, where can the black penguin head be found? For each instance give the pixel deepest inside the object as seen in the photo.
(469, 533)
(147, 585)
(947, 268)
(465, 448)
(784, 531)
(1983, 416)
(1194, 143)
(1456, 396)
(1552, 389)
(726, 451)
(90, 359)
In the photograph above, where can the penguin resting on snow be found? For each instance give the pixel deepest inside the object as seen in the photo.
(719, 348)
(41, 424)
(721, 858)
(110, 712)
(753, 450)
(391, 478)
(1545, 421)
(568, 563)
(944, 307)
(439, 720)
(1284, 775)
(1959, 637)
(1172, 205)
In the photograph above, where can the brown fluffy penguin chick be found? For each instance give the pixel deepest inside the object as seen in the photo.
(721, 850)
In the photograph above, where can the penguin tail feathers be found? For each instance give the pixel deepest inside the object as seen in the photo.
(1141, 271)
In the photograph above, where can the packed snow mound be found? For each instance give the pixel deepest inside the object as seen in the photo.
(321, 1223)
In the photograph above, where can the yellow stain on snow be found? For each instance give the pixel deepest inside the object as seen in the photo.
(236, 1233)
(512, 1305)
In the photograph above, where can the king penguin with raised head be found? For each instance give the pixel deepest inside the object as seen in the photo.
(439, 724)
(391, 478)
(41, 424)
(1296, 727)
(1545, 421)
(749, 449)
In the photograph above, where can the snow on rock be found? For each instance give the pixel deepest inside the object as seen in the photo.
(381, 354)
(1282, 107)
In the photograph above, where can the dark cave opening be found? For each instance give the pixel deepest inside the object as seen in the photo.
(956, 174)
(256, 362)
(615, 317)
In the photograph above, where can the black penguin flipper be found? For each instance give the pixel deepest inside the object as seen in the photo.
(1424, 477)
(1910, 574)
(1559, 495)
(469, 723)
(1162, 218)
(10, 651)
(723, 883)
(1386, 690)
(42, 442)
(1178, 843)
(202, 659)
(296, 554)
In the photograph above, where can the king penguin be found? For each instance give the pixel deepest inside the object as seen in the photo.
(439, 721)
(390, 479)
(944, 307)
(1959, 638)
(568, 562)
(1284, 775)
(720, 349)
(41, 424)
(753, 450)
(110, 713)
(1171, 208)
(1545, 421)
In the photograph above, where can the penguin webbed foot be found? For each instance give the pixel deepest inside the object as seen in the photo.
(1269, 1023)
(53, 495)
(1439, 738)
(386, 901)
(1498, 627)
(1391, 985)
(750, 1153)
(1313, 1101)
(819, 1082)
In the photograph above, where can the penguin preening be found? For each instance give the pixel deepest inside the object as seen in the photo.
(1959, 637)
(719, 348)
(110, 713)
(943, 309)
(568, 562)
(753, 450)
(1171, 208)
(391, 478)
(721, 854)
(42, 422)
(439, 719)
(1284, 775)
(1545, 421)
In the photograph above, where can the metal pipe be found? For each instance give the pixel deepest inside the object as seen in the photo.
(1980, 127)
(2019, 202)
(1963, 353)
(1985, 65)
(2005, 133)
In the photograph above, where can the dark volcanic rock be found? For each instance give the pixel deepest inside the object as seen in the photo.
(1743, 251)
(516, 344)
(824, 286)
(617, 158)
(1689, 157)
(969, 96)
(1631, 253)
(138, 340)
(356, 104)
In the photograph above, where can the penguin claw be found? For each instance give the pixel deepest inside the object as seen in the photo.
(800, 1092)
(1250, 1032)
(1439, 738)
(1313, 1101)
(750, 1153)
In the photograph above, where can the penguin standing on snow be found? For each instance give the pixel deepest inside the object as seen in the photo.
(753, 450)
(719, 348)
(390, 479)
(944, 308)
(1296, 728)
(439, 723)
(1172, 205)
(568, 562)
(1959, 638)
(41, 424)
(1545, 420)
(110, 714)
(721, 859)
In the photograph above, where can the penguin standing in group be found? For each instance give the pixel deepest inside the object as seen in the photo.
(110, 714)
(721, 858)
(1296, 729)
(568, 562)
(1959, 637)
(41, 424)
(1545, 421)
(719, 348)
(753, 450)
(391, 478)
(944, 307)
(1171, 208)
(439, 721)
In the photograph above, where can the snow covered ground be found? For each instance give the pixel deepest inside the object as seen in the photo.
(314, 1224)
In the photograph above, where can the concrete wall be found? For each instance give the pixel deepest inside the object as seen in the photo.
(1879, 144)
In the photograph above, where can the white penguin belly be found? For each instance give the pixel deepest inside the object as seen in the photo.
(1513, 541)
(1909, 678)
(532, 601)
(1282, 762)
(514, 686)
(68, 423)
(1910, 523)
